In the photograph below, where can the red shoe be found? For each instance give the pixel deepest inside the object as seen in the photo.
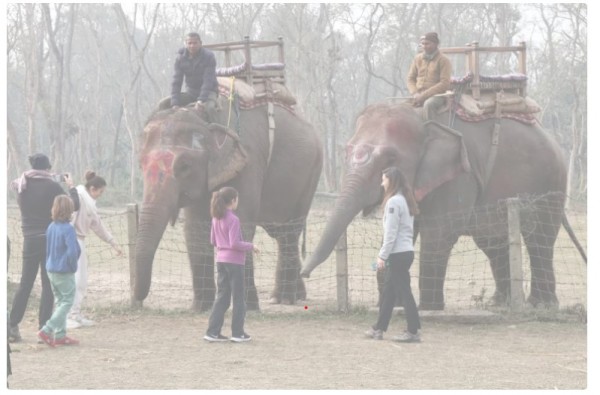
(46, 338)
(66, 341)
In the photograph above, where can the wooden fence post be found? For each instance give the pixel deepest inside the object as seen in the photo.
(341, 264)
(132, 229)
(514, 253)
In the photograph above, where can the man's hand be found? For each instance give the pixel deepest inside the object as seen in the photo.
(199, 106)
(418, 100)
(68, 180)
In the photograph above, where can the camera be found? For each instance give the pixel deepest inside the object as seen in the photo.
(59, 177)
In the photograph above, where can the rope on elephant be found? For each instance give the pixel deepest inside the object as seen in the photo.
(230, 101)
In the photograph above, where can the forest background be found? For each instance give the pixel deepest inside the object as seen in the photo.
(83, 78)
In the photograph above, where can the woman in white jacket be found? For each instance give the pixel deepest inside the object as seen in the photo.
(396, 256)
(84, 221)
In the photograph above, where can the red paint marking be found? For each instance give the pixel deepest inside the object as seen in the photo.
(157, 165)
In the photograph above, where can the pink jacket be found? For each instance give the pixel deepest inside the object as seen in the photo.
(226, 236)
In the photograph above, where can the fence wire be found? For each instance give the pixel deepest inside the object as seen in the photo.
(469, 281)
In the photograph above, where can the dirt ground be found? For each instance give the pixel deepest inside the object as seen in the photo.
(304, 349)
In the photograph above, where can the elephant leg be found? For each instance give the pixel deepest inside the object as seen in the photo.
(436, 247)
(540, 246)
(289, 286)
(496, 249)
(252, 302)
(201, 255)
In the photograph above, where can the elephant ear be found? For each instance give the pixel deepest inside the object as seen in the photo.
(444, 157)
(227, 156)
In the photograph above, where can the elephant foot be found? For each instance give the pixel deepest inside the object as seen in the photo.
(287, 300)
(549, 302)
(499, 299)
(201, 306)
(301, 295)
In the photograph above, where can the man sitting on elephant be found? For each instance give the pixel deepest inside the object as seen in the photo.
(198, 66)
(429, 75)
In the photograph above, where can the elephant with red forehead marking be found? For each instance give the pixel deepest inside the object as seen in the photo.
(173, 138)
(184, 160)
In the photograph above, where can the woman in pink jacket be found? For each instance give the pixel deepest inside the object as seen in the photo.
(226, 236)
(86, 220)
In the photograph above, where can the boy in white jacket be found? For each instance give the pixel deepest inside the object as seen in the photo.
(85, 220)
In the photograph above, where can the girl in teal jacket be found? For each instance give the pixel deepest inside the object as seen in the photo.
(62, 253)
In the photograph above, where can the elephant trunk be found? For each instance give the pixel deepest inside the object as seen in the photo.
(152, 224)
(346, 208)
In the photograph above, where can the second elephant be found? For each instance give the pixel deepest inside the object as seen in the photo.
(460, 178)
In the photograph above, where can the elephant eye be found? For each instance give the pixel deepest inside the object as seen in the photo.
(360, 155)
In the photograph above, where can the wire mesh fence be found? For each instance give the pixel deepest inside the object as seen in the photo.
(469, 279)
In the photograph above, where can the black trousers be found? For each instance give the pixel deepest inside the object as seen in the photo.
(230, 285)
(34, 258)
(397, 282)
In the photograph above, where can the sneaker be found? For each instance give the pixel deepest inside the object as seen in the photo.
(215, 338)
(73, 324)
(376, 334)
(14, 336)
(244, 337)
(78, 321)
(46, 338)
(407, 337)
(66, 341)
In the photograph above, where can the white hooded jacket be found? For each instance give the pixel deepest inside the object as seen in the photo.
(87, 218)
(397, 227)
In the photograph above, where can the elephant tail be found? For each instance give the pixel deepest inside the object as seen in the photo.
(304, 241)
(415, 230)
(569, 229)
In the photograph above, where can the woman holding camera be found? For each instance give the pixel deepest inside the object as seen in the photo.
(86, 220)
(36, 190)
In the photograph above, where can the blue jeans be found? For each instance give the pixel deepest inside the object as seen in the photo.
(63, 287)
(230, 285)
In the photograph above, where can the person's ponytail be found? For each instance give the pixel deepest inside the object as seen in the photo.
(220, 200)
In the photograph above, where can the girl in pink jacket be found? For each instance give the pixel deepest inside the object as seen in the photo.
(226, 236)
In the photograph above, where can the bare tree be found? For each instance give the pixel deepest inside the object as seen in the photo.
(130, 104)
(35, 59)
(14, 31)
(563, 84)
(96, 70)
(61, 51)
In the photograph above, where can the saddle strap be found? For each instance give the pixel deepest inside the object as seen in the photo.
(270, 114)
(495, 141)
